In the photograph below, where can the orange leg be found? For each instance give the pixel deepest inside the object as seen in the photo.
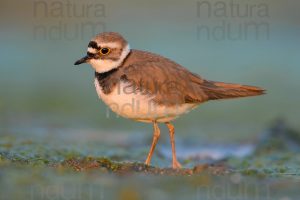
(175, 163)
(156, 134)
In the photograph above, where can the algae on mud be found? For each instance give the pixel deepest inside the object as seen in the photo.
(43, 166)
(276, 153)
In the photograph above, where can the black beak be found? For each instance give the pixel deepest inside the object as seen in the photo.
(82, 60)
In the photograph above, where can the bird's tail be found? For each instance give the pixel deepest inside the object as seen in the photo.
(219, 90)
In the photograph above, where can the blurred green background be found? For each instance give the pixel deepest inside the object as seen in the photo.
(40, 40)
(54, 131)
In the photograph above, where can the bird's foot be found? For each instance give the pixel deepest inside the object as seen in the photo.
(176, 165)
(147, 162)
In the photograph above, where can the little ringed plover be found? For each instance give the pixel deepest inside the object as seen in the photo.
(150, 88)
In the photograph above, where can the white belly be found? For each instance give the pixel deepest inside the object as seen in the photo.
(137, 106)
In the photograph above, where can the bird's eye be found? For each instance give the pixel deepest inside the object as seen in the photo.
(104, 51)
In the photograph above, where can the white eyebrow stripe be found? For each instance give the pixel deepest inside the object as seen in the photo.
(92, 50)
(111, 45)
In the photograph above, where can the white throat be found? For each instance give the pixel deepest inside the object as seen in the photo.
(102, 66)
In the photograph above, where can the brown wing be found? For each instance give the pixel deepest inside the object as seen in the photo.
(170, 83)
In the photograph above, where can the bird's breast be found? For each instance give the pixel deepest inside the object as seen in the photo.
(129, 102)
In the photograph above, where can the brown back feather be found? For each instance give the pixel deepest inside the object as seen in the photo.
(172, 84)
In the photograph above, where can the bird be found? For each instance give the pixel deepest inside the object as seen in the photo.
(147, 87)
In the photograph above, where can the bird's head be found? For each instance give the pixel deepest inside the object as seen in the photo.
(105, 52)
